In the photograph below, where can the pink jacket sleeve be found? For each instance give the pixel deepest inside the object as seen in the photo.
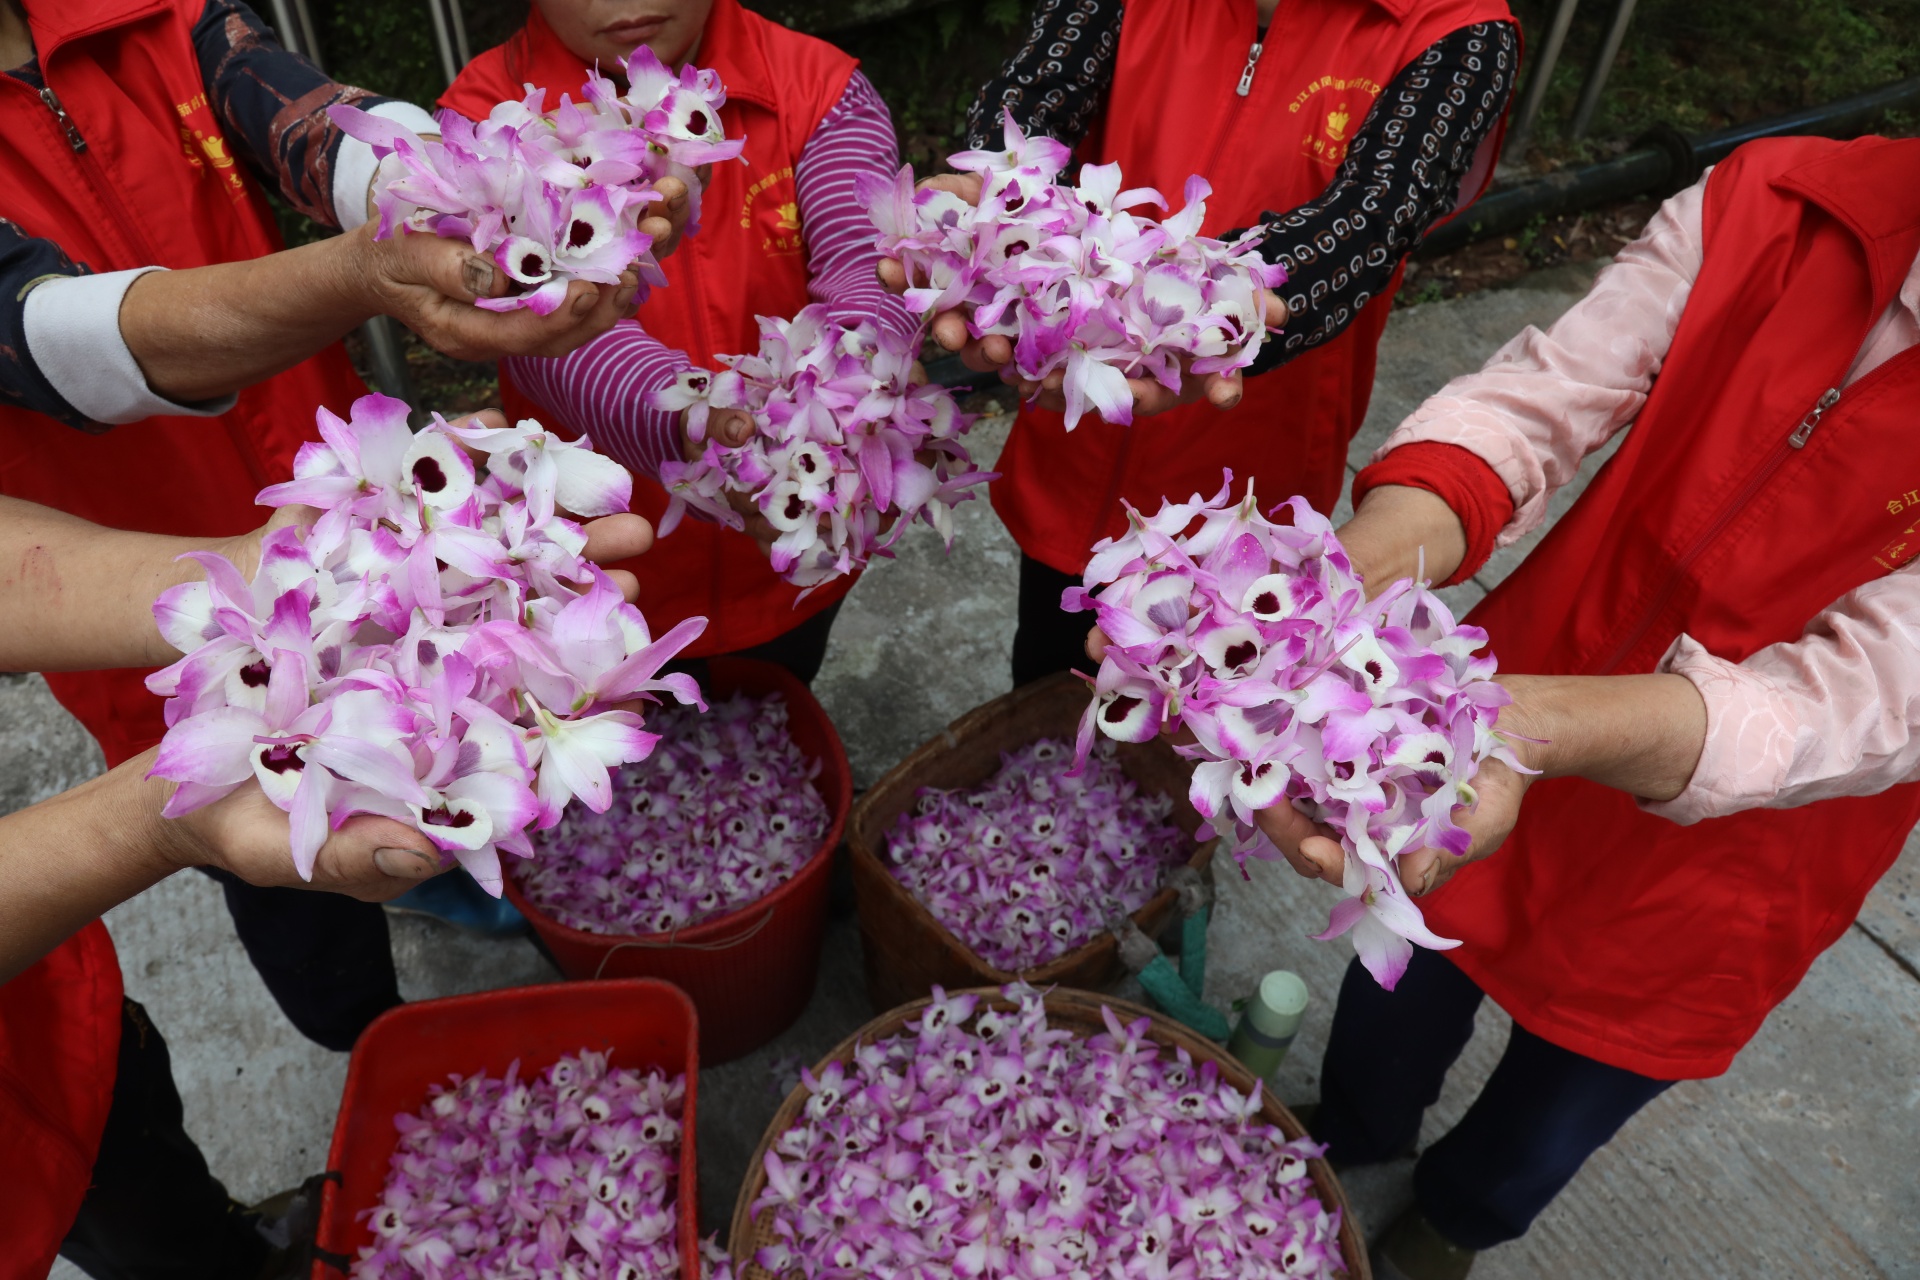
(1834, 713)
(1547, 400)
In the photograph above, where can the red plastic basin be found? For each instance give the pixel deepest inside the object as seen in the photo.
(643, 1023)
(751, 971)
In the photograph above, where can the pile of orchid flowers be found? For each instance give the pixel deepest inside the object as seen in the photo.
(1036, 860)
(982, 1143)
(552, 196)
(847, 451)
(434, 649)
(1370, 716)
(1077, 283)
(574, 1172)
(721, 813)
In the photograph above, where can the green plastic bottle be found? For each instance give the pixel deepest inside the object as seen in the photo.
(1271, 1020)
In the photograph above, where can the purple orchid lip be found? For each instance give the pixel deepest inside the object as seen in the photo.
(555, 195)
(434, 649)
(719, 815)
(847, 450)
(1082, 287)
(1370, 717)
(982, 1142)
(1029, 865)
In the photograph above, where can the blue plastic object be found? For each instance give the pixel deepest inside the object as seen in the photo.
(453, 897)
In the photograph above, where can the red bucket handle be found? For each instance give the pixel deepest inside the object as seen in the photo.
(673, 944)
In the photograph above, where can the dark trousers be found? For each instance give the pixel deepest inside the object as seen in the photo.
(154, 1211)
(1048, 638)
(1542, 1112)
(327, 959)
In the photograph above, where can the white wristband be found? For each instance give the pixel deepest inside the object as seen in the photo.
(73, 335)
(354, 165)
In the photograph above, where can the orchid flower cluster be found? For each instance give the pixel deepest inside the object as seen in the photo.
(1078, 283)
(982, 1143)
(434, 649)
(1370, 716)
(1036, 860)
(574, 1172)
(847, 449)
(552, 196)
(720, 814)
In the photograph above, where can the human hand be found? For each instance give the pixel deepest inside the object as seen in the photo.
(429, 283)
(730, 428)
(369, 858)
(670, 222)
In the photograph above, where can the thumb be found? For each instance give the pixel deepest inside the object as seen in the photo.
(453, 268)
(731, 427)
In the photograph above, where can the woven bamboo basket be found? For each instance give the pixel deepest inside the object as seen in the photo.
(907, 951)
(1078, 1011)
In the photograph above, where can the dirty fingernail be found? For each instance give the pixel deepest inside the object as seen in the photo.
(477, 275)
(404, 864)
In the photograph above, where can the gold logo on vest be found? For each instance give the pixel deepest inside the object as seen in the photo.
(1331, 107)
(772, 209)
(206, 146)
(1906, 544)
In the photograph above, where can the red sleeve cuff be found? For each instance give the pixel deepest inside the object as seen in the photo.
(1458, 477)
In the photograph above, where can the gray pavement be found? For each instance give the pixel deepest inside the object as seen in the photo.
(1797, 1163)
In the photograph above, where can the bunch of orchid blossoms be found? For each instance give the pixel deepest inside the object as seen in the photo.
(722, 812)
(847, 450)
(553, 196)
(1371, 717)
(981, 1143)
(1077, 283)
(1033, 862)
(572, 1173)
(434, 648)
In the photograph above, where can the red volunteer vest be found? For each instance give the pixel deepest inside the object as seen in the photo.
(59, 1037)
(1609, 931)
(1173, 111)
(157, 184)
(749, 259)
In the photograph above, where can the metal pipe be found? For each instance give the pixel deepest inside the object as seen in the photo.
(1602, 64)
(1542, 72)
(461, 48)
(1666, 160)
(443, 40)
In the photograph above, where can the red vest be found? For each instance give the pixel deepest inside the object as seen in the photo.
(59, 1038)
(157, 184)
(1173, 111)
(1606, 930)
(749, 259)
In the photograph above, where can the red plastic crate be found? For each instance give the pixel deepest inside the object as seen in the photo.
(751, 971)
(642, 1022)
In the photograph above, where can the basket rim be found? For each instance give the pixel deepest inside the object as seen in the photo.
(1161, 1029)
(839, 806)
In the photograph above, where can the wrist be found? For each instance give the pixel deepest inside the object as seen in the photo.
(1402, 532)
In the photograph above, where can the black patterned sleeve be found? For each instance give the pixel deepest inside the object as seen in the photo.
(25, 261)
(1402, 174)
(1057, 81)
(273, 106)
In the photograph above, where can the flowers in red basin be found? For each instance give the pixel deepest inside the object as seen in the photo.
(721, 813)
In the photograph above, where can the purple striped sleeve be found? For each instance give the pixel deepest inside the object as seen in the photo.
(855, 137)
(602, 390)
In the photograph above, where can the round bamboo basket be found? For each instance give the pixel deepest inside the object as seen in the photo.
(1078, 1011)
(907, 951)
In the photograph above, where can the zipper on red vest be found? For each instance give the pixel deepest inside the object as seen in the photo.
(1253, 62)
(64, 120)
(1796, 439)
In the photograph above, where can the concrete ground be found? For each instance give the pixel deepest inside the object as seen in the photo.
(1798, 1163)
